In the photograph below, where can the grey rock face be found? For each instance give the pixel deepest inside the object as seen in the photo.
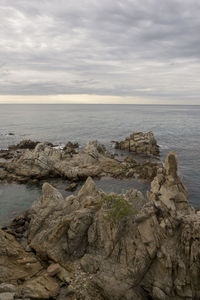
(139, 142)
(45, 161)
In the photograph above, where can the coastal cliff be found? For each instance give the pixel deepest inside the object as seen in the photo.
(109, 246)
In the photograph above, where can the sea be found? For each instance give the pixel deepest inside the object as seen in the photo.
(176, 127)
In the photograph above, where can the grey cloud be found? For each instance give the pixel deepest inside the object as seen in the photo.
(147, 48)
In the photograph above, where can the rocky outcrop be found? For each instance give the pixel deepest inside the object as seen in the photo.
(122, 246)
(45, 161)
(25, 144)
(139, 142)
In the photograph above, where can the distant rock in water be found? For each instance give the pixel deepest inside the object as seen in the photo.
(121, 246)
(25, 144)
(139, 142)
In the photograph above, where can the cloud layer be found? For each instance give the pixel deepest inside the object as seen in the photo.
(144, 49)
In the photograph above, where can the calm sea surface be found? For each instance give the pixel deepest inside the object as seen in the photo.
(175, 128)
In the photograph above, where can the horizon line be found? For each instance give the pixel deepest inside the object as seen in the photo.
(60, 103)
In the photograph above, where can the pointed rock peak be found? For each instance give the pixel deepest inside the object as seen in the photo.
(89, 188)
(171, 164)
(50, 193)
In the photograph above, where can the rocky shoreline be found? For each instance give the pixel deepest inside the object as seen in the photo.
(33, 161)
(95, 245)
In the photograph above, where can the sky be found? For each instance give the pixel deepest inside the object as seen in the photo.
(92, 51)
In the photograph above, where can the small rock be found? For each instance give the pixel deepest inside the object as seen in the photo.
(53, 269)
(72, 187)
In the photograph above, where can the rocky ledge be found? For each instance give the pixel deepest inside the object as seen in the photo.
(139, 142)
(107, 246)
(33, 161)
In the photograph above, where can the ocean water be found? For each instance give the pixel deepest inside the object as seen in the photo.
(175, 128)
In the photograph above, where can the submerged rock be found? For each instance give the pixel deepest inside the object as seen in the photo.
(139, 142)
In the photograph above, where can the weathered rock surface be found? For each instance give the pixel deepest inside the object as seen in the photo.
(121, 246)
(21, 273)
(44, 161)
(139, 142)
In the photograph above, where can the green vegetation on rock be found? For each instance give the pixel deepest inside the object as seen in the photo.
(119, 208)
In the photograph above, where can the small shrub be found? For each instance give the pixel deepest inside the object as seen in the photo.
(119, 209)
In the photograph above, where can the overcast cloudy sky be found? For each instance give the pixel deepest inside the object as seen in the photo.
(144, 51)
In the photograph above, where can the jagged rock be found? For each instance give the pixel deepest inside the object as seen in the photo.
(57, 226)
(128, 248)
(171, 164)
(139, 142)
(94, 147)
(44, 161)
